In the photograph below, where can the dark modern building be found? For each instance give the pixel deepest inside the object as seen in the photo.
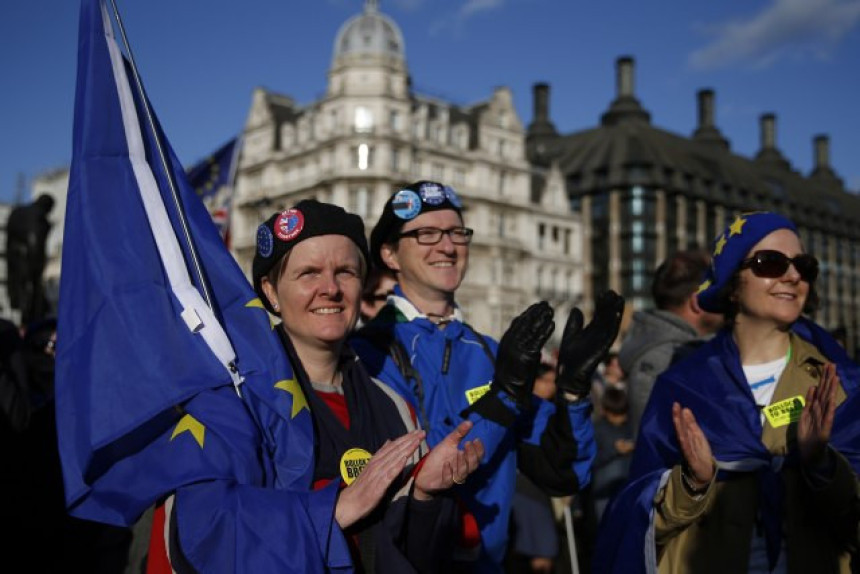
(644, 192)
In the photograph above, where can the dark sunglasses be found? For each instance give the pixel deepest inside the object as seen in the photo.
(772, 264)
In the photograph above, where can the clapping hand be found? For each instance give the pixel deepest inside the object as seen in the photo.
(447, 465)
(360, 498)
(816, 421)
(518, 357)
(694, 447)
(582, 349)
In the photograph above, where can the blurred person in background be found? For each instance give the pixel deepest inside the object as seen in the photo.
(676, 326)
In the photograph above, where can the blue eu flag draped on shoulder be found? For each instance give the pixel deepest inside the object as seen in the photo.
(138, 343)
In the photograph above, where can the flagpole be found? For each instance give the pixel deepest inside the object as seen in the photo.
(163, 158)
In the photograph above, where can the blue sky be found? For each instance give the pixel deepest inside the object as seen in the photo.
(200, 61)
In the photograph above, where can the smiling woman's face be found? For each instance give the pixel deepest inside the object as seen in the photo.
(778, 300)
(319, 290)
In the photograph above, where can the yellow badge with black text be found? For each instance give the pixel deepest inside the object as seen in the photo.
(476, 393)
(352, 463)
(784, 412)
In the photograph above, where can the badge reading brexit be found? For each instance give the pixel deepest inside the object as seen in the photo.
(352, 463)
(784, 412)
(476, 393)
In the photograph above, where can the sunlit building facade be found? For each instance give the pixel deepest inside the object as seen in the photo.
(371, 133)
(644, 192)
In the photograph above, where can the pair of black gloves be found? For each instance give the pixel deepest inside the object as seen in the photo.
(581, 351)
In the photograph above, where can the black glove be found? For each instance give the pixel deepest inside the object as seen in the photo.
(582, 349)
(518, 357)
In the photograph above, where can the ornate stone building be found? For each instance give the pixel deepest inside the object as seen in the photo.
(644, 192)
(371, 133)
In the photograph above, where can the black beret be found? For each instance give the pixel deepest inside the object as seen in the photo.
(407, 204)
(285, 229)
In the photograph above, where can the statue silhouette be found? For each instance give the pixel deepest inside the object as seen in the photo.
(26, 235)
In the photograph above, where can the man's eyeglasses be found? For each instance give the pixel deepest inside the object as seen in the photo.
(433, 235)
(772, 264)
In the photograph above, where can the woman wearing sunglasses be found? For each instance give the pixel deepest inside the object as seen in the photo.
(748, 452)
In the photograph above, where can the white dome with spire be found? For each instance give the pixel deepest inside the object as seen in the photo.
(370, 32)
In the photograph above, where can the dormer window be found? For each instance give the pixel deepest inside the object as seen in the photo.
(363, 120)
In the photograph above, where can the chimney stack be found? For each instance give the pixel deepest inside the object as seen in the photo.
(625, 107)
(707, 131)
(541, 102)
(769, 154)
(767, 122)
(706, 108)
(822, 152)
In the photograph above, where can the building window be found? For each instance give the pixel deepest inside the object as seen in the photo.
(541, 235)
(360, 204)
(332, 121)
(437, 133)
(463, 138)
(395, 159)
(438, 172)
(638, 279)
(503, 183)
(394, 120)
(364, 156)
(363, 120)
(459, 177)
(636, 201)
(637, 238)
(417, 168)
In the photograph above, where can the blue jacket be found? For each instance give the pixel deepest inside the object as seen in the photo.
(456, 366)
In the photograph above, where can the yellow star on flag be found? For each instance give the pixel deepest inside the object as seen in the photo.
(705, 284)
(721, 242)
(192, 425)
(737, 226)
(256, 302)
(299, 400)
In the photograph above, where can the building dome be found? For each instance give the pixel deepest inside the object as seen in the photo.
(369, 33)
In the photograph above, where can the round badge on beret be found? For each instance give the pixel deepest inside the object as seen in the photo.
(289, 224)
(406, 204)
(453, 197)
(432, 193)
(265, 242)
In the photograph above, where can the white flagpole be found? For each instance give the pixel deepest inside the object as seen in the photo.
(163, 158)
(571, 543)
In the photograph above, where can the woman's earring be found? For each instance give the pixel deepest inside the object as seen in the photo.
(276, 307)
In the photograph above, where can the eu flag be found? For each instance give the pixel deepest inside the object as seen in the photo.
(159, 391)
(209, 175)
(212, 179)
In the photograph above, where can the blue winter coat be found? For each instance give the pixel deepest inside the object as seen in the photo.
(456, 367)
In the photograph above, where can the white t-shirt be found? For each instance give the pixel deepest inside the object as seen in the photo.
(762, 380)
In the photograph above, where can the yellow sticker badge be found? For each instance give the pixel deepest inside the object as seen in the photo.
(784, 412)
(476, 393)
(352, 463)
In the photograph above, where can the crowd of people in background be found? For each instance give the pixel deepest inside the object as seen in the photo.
(478, 455)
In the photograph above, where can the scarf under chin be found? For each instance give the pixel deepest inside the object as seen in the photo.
(373, 416)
